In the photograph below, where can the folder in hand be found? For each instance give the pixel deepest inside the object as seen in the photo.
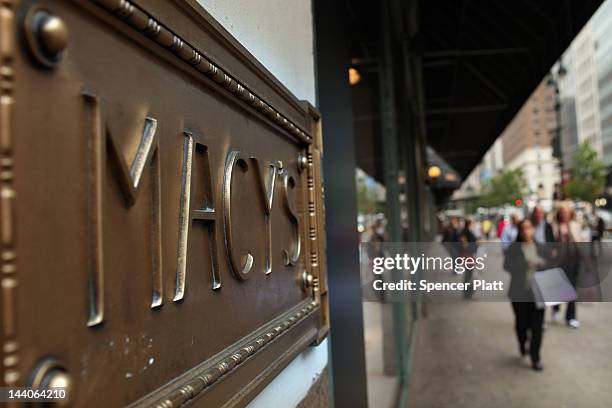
(551, 287)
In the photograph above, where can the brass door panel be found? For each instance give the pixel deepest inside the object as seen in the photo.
(160, 206)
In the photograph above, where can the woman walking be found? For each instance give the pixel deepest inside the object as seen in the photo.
(524, 258)
(568, 233)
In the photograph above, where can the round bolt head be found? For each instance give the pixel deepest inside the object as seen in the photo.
(302, 162)
(58, 379)
(50, 373)
(53, 34)
(46, 36)
(307, 280)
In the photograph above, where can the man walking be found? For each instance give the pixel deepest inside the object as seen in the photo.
(543, 231)
(510, 231)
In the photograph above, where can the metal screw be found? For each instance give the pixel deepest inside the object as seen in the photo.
(302, 162)
(307, 280)
(46, 35)
(53, 34)
(49, 373)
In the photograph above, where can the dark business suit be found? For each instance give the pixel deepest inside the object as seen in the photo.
(548, 232)
(469, 247)
(527, 316)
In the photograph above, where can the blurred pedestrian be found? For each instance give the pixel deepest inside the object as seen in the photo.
(598, 227)
(487, 226)
(451, 232)
(375, 249)
(543, 231)
(475, 227)
(376, 239)
(501, 224)
(510, 231)
(468, 248)
(451, 237)
(568, 234)
(523, 259)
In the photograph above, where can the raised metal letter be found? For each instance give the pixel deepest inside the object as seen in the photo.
(240, 271)
(206, 214)
(288, 182)
(95, 256)
(129, 180)
(267, 184)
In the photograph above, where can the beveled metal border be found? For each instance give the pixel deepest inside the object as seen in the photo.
(8, 255)
(289, 333)
(215, 369)
(147, 25)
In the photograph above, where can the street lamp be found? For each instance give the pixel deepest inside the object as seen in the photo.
(354, 76)
(553, 81)
(434, 172)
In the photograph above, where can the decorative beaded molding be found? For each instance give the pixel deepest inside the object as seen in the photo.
(200, 381)
(315, 225)
(153, 29)
(8, 255)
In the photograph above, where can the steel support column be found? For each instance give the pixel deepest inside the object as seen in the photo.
(399, 25)
(334, 101)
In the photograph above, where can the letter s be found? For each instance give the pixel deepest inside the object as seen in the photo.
(287, 183)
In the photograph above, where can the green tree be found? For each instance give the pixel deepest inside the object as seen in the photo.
(367, 202)
(588, 178)
(504, 188)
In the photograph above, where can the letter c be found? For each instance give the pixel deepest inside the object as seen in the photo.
(240, 271)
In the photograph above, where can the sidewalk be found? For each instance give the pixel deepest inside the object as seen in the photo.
(466, 355)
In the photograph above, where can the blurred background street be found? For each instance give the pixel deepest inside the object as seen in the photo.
(466, 356)
(546, 170)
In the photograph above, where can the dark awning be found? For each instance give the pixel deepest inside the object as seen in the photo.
(448, 179)
(481, 60)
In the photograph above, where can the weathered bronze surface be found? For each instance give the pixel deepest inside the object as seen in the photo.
(160, 207)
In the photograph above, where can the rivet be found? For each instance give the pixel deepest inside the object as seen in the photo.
(46, 35)
(49, 373)
(302, 162)
(307, 280)
(53, 35)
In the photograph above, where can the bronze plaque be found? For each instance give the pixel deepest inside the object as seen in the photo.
(161, 207)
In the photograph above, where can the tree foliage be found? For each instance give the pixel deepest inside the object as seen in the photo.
(367, 202)
(588, 178)
(504, 188)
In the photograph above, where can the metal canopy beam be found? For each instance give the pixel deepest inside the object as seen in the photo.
(480, 53)
(475, 53)
(466, 109)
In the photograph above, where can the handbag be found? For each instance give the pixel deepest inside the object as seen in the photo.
(551, 287)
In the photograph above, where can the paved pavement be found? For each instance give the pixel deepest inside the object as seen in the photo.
(382, 388)
(466, 356)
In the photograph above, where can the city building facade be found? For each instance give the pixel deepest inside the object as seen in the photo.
(602, 44)
(526, 143)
